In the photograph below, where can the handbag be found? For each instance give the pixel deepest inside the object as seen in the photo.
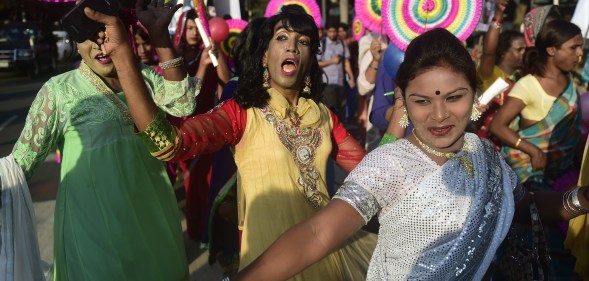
(522, 258)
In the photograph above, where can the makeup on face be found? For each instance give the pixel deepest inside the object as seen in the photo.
(287, 57)
(439, 115)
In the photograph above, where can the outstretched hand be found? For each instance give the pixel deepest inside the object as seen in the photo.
(157, 16)
(114, 39)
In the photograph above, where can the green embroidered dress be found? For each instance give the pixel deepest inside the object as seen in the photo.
(116, 216)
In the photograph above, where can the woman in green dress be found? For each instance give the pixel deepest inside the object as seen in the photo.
(116, 215)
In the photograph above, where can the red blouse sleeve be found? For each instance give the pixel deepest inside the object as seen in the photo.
(347, 152)
(209, 132)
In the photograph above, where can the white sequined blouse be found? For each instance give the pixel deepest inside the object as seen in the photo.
(436, 222)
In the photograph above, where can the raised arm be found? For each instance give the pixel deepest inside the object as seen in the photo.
(394, 130)
(305, 243)
(376, 53)
(490, 41)
(223, 74)
(156, 17)
(140, 103)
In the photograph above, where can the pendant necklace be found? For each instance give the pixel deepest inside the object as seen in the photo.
(462, 159)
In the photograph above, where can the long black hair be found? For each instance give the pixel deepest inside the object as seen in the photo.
(250, 92)
(434, 48)
(245, 42)
(552, 34)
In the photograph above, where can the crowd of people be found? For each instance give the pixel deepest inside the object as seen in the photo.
(458, 190)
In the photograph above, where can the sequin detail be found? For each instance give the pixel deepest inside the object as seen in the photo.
(436, 222)
(302, 144)
(359, 198)
(101, 86)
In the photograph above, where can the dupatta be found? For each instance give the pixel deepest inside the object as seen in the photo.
(19, 257)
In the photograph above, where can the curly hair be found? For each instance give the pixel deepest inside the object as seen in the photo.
(250, 92)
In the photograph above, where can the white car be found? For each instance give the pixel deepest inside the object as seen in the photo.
(64, 45)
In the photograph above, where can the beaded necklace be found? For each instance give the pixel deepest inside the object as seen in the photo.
(462, 159)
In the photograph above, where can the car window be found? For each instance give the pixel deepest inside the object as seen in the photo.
(13, 34)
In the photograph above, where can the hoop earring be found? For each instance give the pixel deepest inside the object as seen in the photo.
(475, 114)
(404, 121)
(307, 88)
(266, 77)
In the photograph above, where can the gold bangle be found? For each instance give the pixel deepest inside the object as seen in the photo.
(496, 25)
(517, 142)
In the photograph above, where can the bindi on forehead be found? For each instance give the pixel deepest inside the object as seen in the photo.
(437, 92)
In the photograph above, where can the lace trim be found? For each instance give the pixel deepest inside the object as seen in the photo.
(101, 87)
(302, 144)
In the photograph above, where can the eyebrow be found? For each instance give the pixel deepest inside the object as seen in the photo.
(442, 94)
(278, 28)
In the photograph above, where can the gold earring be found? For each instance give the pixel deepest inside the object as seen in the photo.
(307, 88)
(404, 121)
(266, 77)
(475, 114)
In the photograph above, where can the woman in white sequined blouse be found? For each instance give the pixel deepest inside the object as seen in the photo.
(444, 198)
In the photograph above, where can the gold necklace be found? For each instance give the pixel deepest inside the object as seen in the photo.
(462, 159)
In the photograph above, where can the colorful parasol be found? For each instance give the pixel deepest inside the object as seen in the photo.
(236, 26)
(369, 12)
(358, 28)
(310, 6)
(404, 20)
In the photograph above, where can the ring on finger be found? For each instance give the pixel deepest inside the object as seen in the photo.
(105, 40)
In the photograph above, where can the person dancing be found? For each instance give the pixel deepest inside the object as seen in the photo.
(444, 198)
(280, 132)
(116, 215)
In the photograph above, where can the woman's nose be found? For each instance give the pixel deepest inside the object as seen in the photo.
(440, 112)
(291, 46)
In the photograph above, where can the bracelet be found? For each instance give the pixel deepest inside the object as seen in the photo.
(576, 203)
(566, 203)
(517, 142)
(387, 138)
(570, 202)
(496, 25)
(179, 61)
